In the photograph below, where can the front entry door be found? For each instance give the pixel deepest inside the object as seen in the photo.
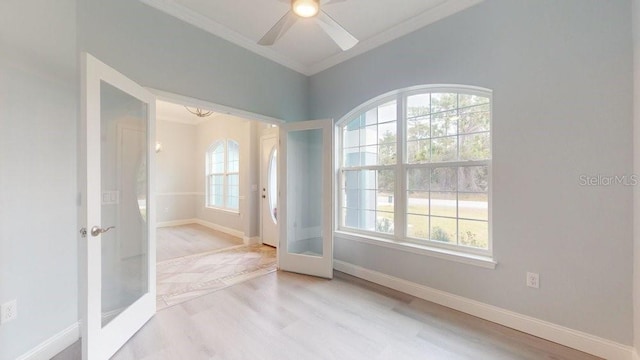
(269, 189)
(118, 239)
(306, 209)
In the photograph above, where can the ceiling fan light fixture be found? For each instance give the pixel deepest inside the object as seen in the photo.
(305, 8)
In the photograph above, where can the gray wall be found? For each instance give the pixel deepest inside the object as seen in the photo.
(38, 230)
(162, 52)
(175, 171)
(561, 72)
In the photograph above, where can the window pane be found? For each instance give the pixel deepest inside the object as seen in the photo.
(368, 199)
(356, 123)
(443, 229)
(386, 181)
(419, 128)
(473, 206)
(418, 179)
(387, 154)
(445, 123)
(368, 195)
(368, 220)
(470, 100)
(418, 105)
(386, 190)
(443, 204)
(419, 152)
(371, 117)
(369, 155)
(387, 112)
(444, 149)
(350, 138)
(474, 233)
(418, 202)
(473, 178)
(350, 179)
(369, 135)
(352, 157)
(384, 222)
(215, 191)
(368, 179)
(233, 156)
(444, 179)
(387, 133)
(474, 119)
(443, 101)
(418, 226)
(351, 218)
(234, 180)
(234, 166)
(475, 147)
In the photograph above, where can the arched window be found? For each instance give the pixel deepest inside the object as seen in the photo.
(415, 168)
(222, 175)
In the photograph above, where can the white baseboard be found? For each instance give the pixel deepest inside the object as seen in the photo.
(210, 225)
(588, 343)
(252, 240)
(53, 345)
(220, 228)
(176, 222)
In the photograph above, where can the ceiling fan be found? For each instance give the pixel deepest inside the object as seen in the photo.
(310, 9)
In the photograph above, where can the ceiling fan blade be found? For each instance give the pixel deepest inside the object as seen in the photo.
(333, 1)
(279, 29)
(340, 35)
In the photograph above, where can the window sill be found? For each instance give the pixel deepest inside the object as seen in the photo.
(232, 212)
(469, 259)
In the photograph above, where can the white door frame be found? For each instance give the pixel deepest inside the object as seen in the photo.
(100, 342)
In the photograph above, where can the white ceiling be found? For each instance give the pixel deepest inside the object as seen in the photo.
(306, 48)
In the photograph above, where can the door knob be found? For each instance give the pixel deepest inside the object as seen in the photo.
(95, 231)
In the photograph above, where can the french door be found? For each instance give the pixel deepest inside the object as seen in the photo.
(118, 293)
(306, 214)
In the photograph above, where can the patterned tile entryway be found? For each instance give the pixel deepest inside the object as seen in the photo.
(191, 276)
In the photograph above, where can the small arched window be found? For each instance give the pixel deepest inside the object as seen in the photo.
(415, 167)
(223, 175)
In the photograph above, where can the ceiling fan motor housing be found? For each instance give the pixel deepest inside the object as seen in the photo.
(305, 8)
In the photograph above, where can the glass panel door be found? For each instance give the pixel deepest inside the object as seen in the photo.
(306, 225)
(123, 166)
(118, 238)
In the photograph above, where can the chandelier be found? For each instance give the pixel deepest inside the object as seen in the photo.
(199, 112)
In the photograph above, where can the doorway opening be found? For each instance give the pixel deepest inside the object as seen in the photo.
(216, 200)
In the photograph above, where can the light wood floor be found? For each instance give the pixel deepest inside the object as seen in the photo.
(288, 316)
(177, 241)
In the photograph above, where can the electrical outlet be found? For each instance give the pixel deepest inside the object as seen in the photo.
(8, 311)
(533, 280)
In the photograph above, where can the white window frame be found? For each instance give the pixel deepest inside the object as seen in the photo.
(482, 257)
(225, 175)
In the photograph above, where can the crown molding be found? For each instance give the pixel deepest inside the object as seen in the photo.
(444, 9)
